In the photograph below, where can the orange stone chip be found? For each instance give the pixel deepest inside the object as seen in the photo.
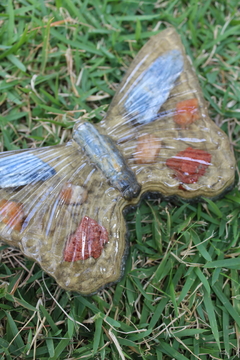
(186, 112)
(66, 193)
(148, 148)
(11, 213)
(190, 164)
(72, 194)
(88, 241)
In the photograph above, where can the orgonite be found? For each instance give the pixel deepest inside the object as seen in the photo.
(63, 205)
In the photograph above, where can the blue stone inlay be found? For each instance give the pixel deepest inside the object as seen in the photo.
(22, 169)
(151, 89)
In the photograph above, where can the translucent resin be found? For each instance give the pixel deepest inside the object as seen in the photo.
(63, 205)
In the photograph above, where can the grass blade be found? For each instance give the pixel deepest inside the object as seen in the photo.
(211, 316)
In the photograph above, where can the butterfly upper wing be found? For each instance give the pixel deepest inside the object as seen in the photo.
(167, 136)
(49, 216)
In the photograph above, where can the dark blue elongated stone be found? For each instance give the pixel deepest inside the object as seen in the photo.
(151, 89)
(105, 155)
(22, 169)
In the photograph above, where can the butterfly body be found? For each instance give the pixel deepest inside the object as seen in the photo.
(103, 153)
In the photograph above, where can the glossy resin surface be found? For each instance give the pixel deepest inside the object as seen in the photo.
(63, 205)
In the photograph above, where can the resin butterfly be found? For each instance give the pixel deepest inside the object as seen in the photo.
(63, 205)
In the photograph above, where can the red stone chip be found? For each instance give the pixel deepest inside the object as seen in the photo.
(190, 164)
(88, 241)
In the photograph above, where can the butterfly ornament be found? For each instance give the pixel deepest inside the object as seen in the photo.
(63, 205)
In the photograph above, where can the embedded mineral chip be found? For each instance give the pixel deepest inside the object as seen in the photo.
(72, 194)
(190, 164)
(187, 112)
(147, 150)
(11, 214)
(88, 241)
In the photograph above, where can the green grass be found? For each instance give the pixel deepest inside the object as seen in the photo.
(180, 296)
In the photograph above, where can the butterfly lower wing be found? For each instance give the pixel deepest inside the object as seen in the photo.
(176, 149)
(70, 220)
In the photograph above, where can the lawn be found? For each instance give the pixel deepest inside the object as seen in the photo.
(180, 295)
